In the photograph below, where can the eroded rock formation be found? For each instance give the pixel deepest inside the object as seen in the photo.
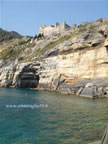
(19, 75)
(74, 63)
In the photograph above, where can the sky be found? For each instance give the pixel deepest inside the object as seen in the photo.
(25, 16)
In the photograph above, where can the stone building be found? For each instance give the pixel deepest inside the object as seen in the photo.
(51, 29)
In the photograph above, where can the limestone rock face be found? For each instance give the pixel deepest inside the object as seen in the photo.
(26, 77)
(77, 65)
(65, 63)
(80, 60)
(18, 75)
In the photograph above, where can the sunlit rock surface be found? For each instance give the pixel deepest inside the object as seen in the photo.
(65, 63)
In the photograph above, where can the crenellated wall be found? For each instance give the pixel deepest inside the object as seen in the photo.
(69, 62)
(51, 30)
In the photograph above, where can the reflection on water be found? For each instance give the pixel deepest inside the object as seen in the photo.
(66, 120)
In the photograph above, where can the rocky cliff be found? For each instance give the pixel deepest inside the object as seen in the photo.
(74, 62)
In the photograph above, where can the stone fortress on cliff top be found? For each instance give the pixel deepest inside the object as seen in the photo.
(56, 29)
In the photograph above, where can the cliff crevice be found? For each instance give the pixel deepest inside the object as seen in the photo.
(73, 62)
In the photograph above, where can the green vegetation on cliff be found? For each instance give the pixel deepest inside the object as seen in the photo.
(41, 51)
(11, 53)
(12, 49)
(5, 35)
(13, 45)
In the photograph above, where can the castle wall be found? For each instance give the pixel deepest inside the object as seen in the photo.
(51, 30)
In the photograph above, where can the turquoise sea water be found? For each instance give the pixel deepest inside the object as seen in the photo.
(66, 120)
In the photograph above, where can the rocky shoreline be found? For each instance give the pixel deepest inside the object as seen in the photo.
(74, 62)
(27, 75)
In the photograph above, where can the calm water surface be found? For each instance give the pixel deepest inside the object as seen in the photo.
(66, 120)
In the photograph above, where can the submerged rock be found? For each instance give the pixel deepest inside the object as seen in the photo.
(104, 138)
(98, 142)
(89, 92)
(93, 91)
